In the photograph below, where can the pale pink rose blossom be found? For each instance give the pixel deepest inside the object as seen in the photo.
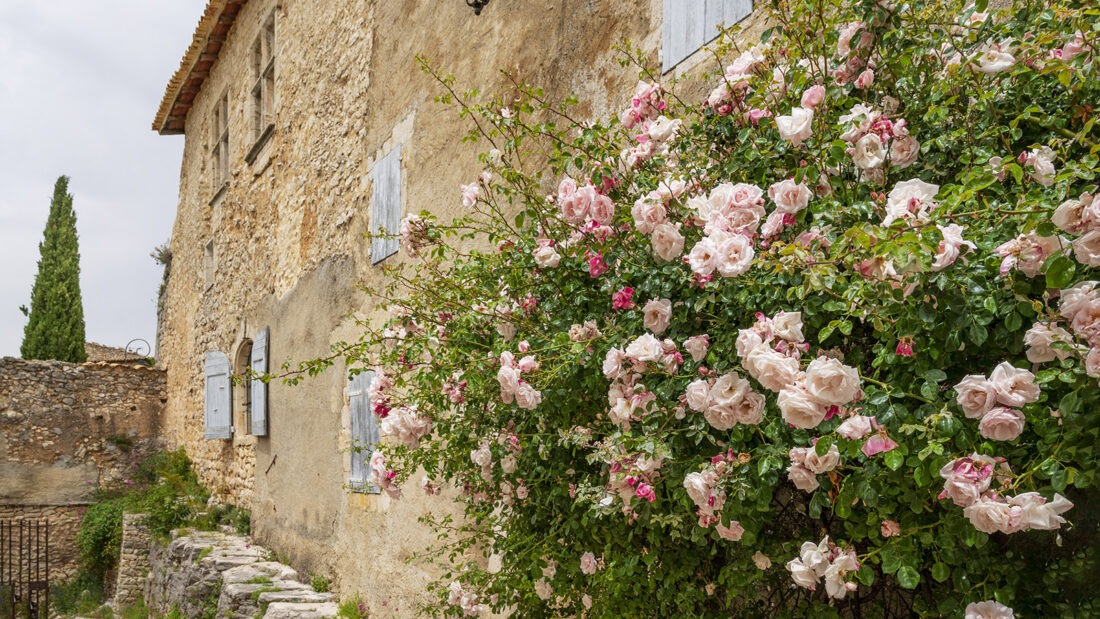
(994, 60)
(789, 196)
(527, 397)
(747, 340)
(613, 362)
(1040, 339)
(1014, 386)
(1074, 47)
(1027, 252)
(645, 348)
(703, 258)
(976, 395)
(405, 425)
(855, 427)
(967, 478)
(697, 346)
(773, 370)
(697, 395)
(910, 200)
(796, 127)
(801, 575)
(824, 463)
(879, 442)
(728, 390)
(813, 96)
(890, 528)
(588, 563)
(470, 194)
(865, 79)
(1092, 362)
(802, 478)
(847, 33)
(649, 212)
(989, 514)
(949, 248)
(761, 561)
(988, 609)
(508, 378)
(546, 257)
(1031, 511)
(799, 408)
(666, 241)
(750, 409)
(1086, 248)
(1002, 424)
(1041, 161)
(1078, 216)
(788, 326)
(829, 381)
(664, 129)
(904, 151)
(732, 533)
(601, 209)
(836, 584)
(734, 255)
(656, 315)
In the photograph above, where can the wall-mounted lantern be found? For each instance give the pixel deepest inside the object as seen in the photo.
(477, 5)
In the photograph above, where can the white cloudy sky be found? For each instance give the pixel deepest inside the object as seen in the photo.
(80, 82)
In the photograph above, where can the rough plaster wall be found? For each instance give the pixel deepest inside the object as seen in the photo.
(288, 235)
(65, 430)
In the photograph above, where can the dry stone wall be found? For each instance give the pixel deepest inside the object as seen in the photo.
(67, 429)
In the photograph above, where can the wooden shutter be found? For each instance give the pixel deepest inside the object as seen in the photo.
(364, 432)
(386, 205)
(219, 396)
(691, 24)
(259, 387)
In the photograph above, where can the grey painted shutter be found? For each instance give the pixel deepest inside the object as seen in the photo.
(259, 387)
(364, 431)
(219, 396)
(386, 205)
(691, 24)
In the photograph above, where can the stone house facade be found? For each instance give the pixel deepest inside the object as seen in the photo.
(307, 124)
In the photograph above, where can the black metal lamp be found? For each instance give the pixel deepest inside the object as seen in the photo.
(477, 5)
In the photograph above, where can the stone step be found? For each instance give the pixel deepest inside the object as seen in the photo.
(299, 610)
(304, 595)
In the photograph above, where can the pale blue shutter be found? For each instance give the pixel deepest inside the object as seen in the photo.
(386, 205)
(259, 387)
(691, 24)
(219, 396)
(364, 432)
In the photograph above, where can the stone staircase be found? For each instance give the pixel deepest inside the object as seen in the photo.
(203, 572)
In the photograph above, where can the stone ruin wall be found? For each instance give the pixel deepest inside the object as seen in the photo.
(67, 429)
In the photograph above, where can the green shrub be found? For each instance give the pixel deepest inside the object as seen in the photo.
(79, 596)
(319, 583)
(100, 537)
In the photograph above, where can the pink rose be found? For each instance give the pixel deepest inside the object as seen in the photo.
(829, 381)
(800, 409)
(469, 194)
(1092, 362)
(824, 463)
(527, 397)
(601, 209)
(773, 370)
(656, 315)
(1087, 248)
(855, 427)
(890, 528)
(703, 258)
(622, 299)
(988, 515)
(1002, 424)
(788, 326)
(988, 609)
(802, 478)
(747, 339)
(732, 533)
(796, 127)
(697, 395)
(948, 251)
(1039, 341)
(976, 395)
(789, 196)
(1014, 386)
(697, 346)
(750, 409)
(588, 563)
(1033, 511)
(596, 264)
(546, 257)
(734, 255)
(904, 151)
(667, 242)
(966, 479)
(865, 79)
(813, 96)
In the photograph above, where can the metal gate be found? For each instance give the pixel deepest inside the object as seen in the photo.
(24, 569)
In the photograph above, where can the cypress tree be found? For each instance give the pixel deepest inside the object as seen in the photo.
(56, 326)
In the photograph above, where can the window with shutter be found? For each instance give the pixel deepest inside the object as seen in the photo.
(219, 398)
(691, 24)
(258, 388)
(386, 206)
(364, 432)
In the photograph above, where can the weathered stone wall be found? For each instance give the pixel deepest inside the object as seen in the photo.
(67, 429)
(288, 246)
(133, 560)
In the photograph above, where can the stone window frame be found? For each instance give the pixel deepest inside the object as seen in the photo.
(219, 146)
(262, 93)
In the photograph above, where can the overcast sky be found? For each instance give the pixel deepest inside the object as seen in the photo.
(80, 82)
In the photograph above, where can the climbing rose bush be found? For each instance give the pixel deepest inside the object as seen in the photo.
(824, 342)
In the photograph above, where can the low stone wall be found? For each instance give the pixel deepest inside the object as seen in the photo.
(67, 429)
(205, 571)
(133, 562)
(64, 524)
